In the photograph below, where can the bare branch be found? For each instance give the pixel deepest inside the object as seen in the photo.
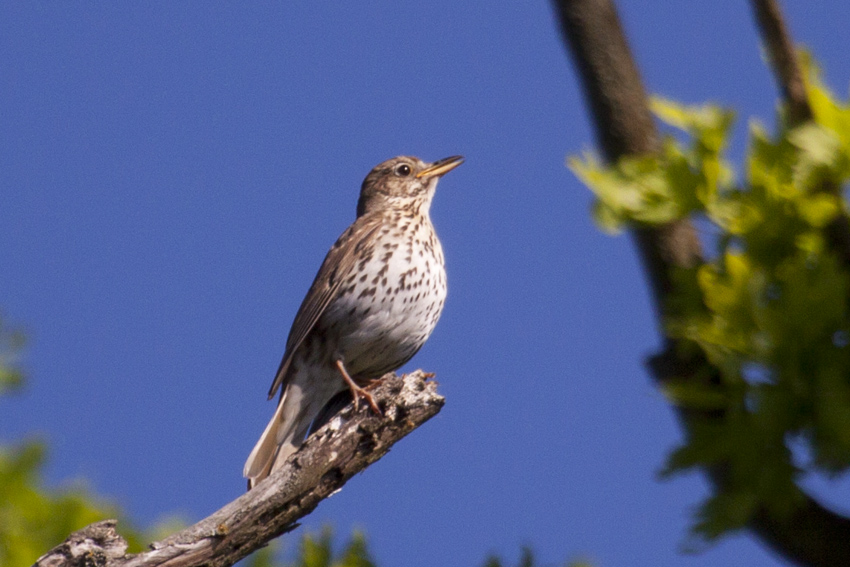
(780, 50)
(346, 445)
(812, 535)
(612, 86)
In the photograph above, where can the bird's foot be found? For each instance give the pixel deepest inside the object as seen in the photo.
(357, 392)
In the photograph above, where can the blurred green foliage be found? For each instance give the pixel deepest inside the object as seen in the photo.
(11, 343)
(527, 559)
(34, 518)
(769, 309)
(316, 550)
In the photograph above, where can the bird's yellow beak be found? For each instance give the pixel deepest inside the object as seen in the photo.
(441, 167)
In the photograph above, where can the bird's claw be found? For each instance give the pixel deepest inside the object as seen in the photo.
(357, 392)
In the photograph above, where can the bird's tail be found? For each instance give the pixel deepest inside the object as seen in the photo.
(281, 438)
(304, 396)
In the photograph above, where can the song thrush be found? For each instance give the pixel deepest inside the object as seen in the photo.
(373, 304)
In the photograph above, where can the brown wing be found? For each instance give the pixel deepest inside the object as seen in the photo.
(337, 266)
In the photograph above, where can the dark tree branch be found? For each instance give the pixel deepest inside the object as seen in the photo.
(786, 69)
(615, 94)
(612, 86)
(345, 446)
(780, 50)
(812, 535)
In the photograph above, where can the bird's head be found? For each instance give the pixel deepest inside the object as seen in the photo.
(403, 182)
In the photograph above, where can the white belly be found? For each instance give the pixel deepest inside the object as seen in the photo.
(383, 322)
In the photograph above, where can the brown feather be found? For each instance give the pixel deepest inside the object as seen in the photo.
(337, 266)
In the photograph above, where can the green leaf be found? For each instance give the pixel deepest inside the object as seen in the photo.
(819, 150)
(724, 512)
(818, 210)
(691, 394)
(709, 124)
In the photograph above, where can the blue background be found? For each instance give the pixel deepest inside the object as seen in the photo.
(172, 174)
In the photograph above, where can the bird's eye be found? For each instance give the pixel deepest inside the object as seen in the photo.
(403, 170)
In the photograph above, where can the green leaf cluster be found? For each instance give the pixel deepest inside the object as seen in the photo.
(672, 184)
(769, 310)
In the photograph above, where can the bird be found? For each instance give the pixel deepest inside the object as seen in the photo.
(372, 305)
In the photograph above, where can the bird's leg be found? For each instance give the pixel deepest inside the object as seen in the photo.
(356, 391)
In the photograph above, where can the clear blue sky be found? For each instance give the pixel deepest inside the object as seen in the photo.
(172, 174)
